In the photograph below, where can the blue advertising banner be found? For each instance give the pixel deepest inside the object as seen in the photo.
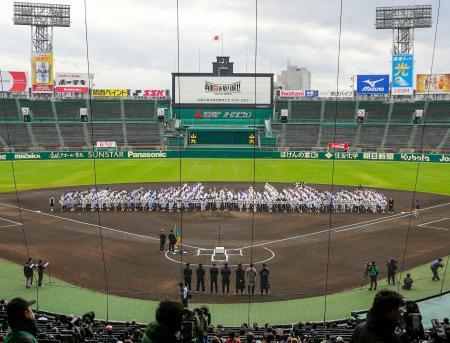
(402, 74)
(372, 84)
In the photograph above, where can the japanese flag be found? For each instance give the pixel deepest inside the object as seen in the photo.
(216, 38)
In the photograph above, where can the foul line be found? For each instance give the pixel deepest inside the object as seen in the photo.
(90, 224)
(345, 227)
(337, 229)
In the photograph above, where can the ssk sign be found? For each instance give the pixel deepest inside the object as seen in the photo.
(372, 84)
(150, 93)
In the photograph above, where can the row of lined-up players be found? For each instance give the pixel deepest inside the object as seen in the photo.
(243, 278)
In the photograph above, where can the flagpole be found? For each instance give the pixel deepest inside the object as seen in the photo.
(222, 43)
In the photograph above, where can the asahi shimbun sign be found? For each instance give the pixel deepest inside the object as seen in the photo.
(222, 90)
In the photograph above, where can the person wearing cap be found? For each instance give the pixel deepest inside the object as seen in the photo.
(21, 322)
(28, 272)
(213, 272)
(162, 240)
(187, 276)
(264, 279)
(382, 319)
(240, 279)
(200, 278)
(225, 272)
(434, 268)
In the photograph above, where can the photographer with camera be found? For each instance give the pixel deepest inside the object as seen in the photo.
(382, 320)
(168, 321)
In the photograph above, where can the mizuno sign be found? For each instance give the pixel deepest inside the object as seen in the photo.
(372, 84)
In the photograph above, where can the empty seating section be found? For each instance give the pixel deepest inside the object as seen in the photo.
(305, 110)
(140, 109)
(69, 110)
(398, 136)
(432, 137)
(45, 134)
(301, 136)
(106, 110)
(371, 136)
(106, 132)
(375, 110)
(145, 134)
(438, 111)
(343, 135)
(404, 111)
(18, 135)
(73, 135)
(41, 110)
(9, 110)
(344, 111)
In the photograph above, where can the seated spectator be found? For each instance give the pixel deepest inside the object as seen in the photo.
(382, 320)
(2, 304)
(168, 321)
(21, 321)
(407, 282)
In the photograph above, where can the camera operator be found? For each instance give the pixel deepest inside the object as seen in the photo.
(168, 321)
(382, 320)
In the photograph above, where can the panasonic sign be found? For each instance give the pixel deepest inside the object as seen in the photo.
(372, 84)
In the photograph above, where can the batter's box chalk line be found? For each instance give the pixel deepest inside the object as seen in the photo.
(435, 225)
(8, 223)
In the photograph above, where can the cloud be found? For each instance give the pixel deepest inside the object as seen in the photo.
(134, 43)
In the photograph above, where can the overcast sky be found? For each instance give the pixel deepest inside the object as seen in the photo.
(133, 43)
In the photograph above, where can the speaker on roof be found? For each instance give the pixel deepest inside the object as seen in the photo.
(26, 114)
(360, 115)
(160, 113)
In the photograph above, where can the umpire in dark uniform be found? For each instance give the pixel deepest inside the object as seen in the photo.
(225, 272)
(187, 276)
(264, 279)
(213, 272)
(240, 279)
(28, 272)
(162, 240)
(200, 278)
(41, 267)
(391, 205)
(391, 269)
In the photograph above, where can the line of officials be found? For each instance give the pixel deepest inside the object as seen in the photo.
(28, 271)
(243, 277)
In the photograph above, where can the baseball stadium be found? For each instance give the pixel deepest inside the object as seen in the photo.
(306, 203)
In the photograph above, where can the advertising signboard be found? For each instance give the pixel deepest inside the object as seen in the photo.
(433, 84)
(13, 81)
(42, 72)
(72, 82)
(402, 74)
(298, 94)
(222, 90)
(372, 84)
(110, 92)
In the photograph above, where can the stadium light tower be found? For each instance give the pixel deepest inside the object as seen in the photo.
(402, 20)
(42, 18)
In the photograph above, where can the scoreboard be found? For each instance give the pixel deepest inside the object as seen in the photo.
(222, 137)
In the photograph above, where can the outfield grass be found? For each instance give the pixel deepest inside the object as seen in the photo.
(433, 178)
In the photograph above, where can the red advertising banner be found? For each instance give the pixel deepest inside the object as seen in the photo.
(13, 81)
(337, 146)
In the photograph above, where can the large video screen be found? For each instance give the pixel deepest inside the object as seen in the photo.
(222, 90)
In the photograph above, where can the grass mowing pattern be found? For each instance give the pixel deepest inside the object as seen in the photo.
(433, 178)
